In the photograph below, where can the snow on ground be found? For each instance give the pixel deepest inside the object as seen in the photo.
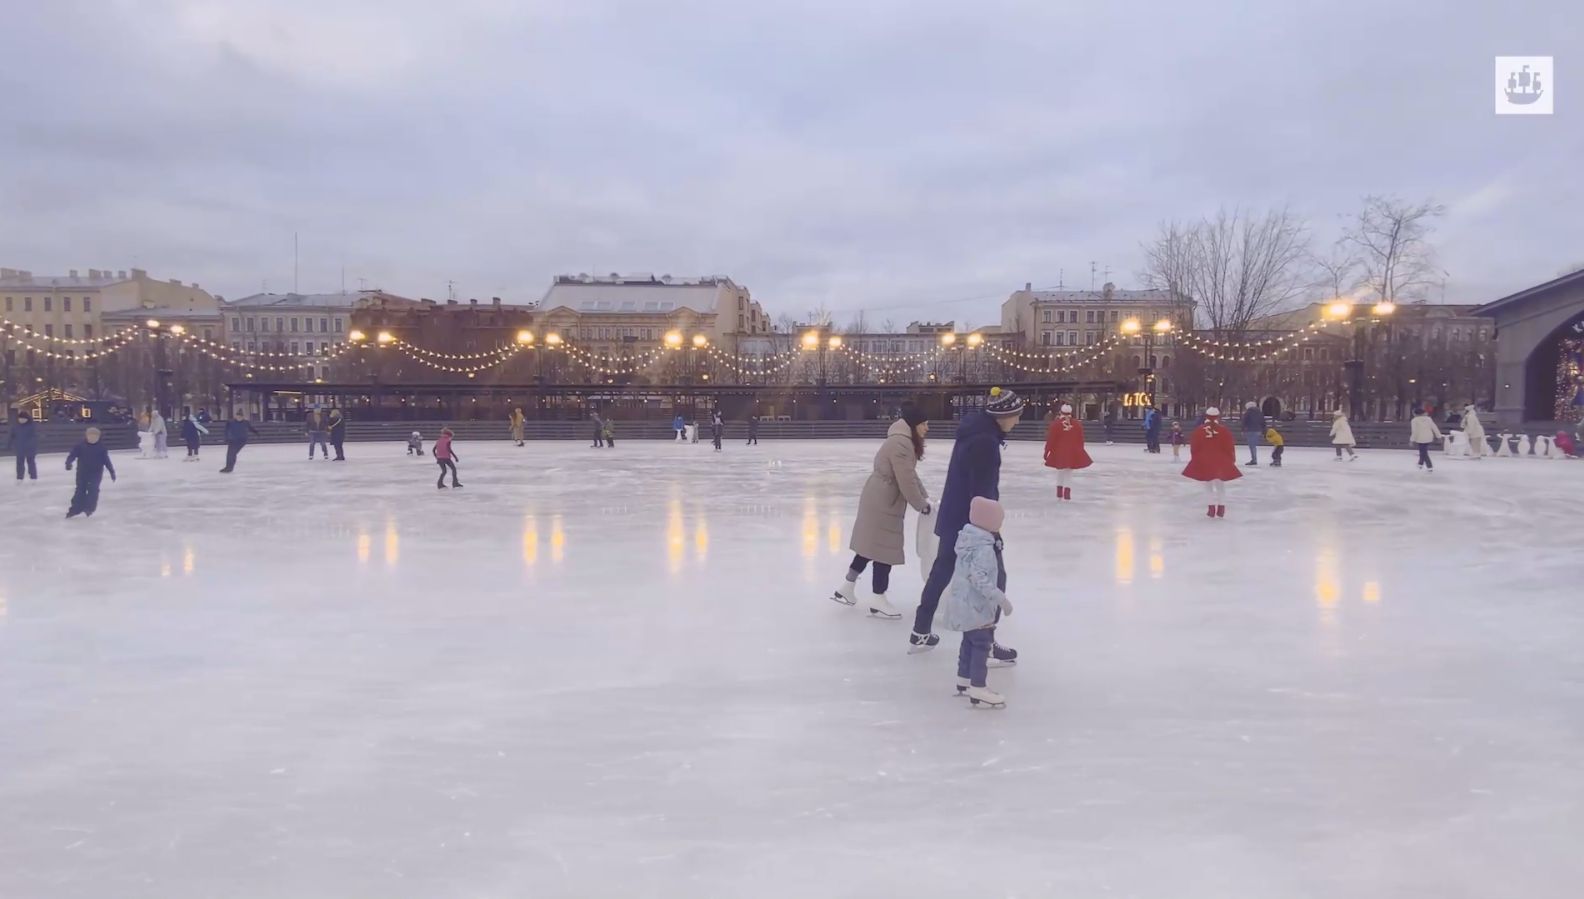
(616, 673)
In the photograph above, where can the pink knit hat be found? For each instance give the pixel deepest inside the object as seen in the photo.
(986, 513)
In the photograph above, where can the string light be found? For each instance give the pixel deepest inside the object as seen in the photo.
(12, 327)
(469, 370)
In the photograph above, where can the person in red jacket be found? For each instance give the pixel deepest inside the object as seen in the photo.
(1212, 458)
(1064, 450)
(446, 457)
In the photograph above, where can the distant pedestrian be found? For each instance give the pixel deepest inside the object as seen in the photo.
(1342, 436)
(236, 435)
(1278, 443)
(1253, 430)
(1177, 439)
(337, 426)
(753, 430)
(92, 461)
(415, 444)
(1423, 433)
(192, 432)
(608, 428)
(679, 424)
(24, 440)
(161, 434)
(447, 458)
(517, 422)
(1153, 431)
(1212, 459)
(1109, 423)
(318, 430)
(717, 428)
(599, 430)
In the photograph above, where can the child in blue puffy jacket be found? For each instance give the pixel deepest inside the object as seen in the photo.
(976, 598)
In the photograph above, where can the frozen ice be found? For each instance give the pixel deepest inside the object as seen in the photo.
(616, 673)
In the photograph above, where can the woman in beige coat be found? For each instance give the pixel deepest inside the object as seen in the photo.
(877, 535)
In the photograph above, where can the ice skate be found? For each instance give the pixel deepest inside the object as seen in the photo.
(440, 486)
(846, 594)
(1220, 511)
(1210, 511)
(1002, 656)
(918, 642)
(984, 696)
(879, 607)
(963, 684)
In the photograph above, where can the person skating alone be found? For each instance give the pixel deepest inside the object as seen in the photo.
(236, 436)
(976, 599)
(974, 470)
(753, 430)
(717, 428)
(1423, 433)
(446, 456)
(337, 426)
(415, 444)
(92, 461)
(1253, 430)
(1342, 436)
(599, 430)
(679, 424)
(877, 533)
(1474, 430)
(24, 441)
(1152, 433)
(1177, 439)
(1212, 459)
(518, 420)
(318, 430)
(1064, 450)
(193, 432)
(1278, 443)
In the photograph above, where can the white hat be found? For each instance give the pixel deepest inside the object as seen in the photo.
(1213, 412)
(1249, 404)
(1066, 408)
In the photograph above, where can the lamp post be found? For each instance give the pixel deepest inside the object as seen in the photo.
(1132, 328)
(162, 370)
(1363, 341)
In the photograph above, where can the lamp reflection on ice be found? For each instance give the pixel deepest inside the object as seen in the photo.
(1327, 585)
(676, 535)
(833, 534)
(530, 540)
(810, 529)
(1157, 561)
(165, 568)
(365, 546)
(189, 559)
(1124, 555)
(1372, 591)
(700, 540)
(392, 543)
(557, 539)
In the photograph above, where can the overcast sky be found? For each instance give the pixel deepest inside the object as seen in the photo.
(913, 159)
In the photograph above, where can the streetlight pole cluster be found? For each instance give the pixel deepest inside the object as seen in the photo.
(1133, 328)
(1346, 313)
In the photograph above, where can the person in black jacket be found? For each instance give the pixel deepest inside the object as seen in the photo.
(337, 433)
(24, 439)
(1253, 431)
(92, 461)
(236, 435)
(974, 470)
(753, 429)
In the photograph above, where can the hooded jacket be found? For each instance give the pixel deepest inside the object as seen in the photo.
(978, 584)
(974, 470)
(24, 437)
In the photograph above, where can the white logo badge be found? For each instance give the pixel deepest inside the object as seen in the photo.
(1524, 85)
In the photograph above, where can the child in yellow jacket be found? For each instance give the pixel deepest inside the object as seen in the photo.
(1275, 439)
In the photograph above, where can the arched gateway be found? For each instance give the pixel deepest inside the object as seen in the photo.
(1540, 351)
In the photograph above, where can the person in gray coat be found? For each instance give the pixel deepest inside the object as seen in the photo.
(878, 534)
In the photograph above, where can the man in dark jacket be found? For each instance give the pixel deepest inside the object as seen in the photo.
(236, 435)
(92, 461)
(1152, 431)
(974, 470)
(753, 430)
(1253, 430)
(24, 439)
(337, 433)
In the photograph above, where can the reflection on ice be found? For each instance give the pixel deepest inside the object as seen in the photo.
(392, 543)
(189, 557)
(1372, 591)
(1157, 561)
(1124, 555)
(365, 545)
(530, 540)
(557, 539)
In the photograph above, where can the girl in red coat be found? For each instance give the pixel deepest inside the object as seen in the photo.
(1212, 458)
(1064, 449)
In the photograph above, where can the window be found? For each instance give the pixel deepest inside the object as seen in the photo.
(324, 326)
(1060, 338)
(280, 325)
(68, 332)
(1045, 316)
(236, 345)
(49, 303)
(252, 346)
(1165, 362)
(1090, 337)
(49, 330)
(294, 326)
(338, 325)
(1089, 317)
(65, 304)
(308, 347)
(27, 304)
(1045, 338)
(8, 304)
(1072, 336)
(88, 332)
(250, 324)
(236, 323)
(1154, 362)
(208, 334)
(294, 346)
(87, 304)
(1113, 315)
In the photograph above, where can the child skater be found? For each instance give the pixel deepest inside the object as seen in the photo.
(976, 598)
(447, 458)
(1177, 439)
(1212, 458)
(1064, 450)
(191, 431)
(1277, 442)
(92, 461)
(415, 444)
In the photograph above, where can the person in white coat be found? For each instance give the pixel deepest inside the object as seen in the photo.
(1342, 436)
(157, 428)
(1423, 434)
(1474, 431)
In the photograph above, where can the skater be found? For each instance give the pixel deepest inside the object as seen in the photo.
(446, 457)
(517, 422)
(1064, 450)
(415, 444)
(1423, 433)
(337, 425)
(1212, 458)
(974, 470)
(318, 430)
(1152, 432)
(236, 435)
(1253, 430)
(1474, 430)
(599, 430)
(1277, 442)
(717, 428)
(679, 424)
(1342, 436)
(877, 533)
(753, 429)
(1110, 424)
(977, 599)
(92, 461)
(1177, 439)
(24, 440)
(192, 434)
(608, 428)
(161, 434)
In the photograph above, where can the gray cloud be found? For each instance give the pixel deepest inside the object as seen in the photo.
(920, 159)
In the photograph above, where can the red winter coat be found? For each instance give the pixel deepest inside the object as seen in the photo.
(1064, 444)
(1212, 453)
(442, 448)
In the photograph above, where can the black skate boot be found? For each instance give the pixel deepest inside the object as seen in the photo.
(1002, 656)
(918, 642)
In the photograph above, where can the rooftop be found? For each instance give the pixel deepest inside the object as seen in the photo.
(638, 294)
(20, 278)
(298, 300)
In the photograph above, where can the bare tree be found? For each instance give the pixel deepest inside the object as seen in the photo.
(1236, 266)
(860, 323)
(1392, 240)
(1338, 273)
(889, 325)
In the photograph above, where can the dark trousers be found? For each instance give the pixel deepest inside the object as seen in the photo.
(317, 439)
(1424, 455)
(753, 439)
(1276, 455)
(610, 441)
(336, 442)
(86, 500)
(192, 447)
(28, 461)
(940, 575)
(445, 464)
(232, 448)
(599, 437)
(882, 572)
(1252, 438)
(973, 658)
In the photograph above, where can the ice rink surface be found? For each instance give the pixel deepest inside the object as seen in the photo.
(616, 673)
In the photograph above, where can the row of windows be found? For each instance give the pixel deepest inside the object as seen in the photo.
(305, 348)
(616, 333)
(1094, 316)
(282, 323)
(87, 332)
(49, 304)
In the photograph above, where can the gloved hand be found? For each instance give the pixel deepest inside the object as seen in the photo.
(928, 508)
(1006, 607)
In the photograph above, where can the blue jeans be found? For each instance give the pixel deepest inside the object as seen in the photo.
(1252, 438)
(317, 438)
(973, 658)
(940, 575)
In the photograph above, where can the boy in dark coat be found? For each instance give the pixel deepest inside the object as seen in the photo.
(974, 470)
(236, 435)
(24, 439)
(337, 434)
(92, 461)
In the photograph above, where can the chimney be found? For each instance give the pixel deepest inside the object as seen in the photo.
(175, 282)
(121, 276)
(1028, 286)
(138, 273)
(495, 301)
(1108, 289)
(93, 274)
(72, 274)
(7, 273)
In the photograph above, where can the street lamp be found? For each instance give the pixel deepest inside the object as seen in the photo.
(553, 339)
(1133, 327)
(357, 336)
(673, 340)
(384, 337)
(1363, 342)
(700, 341)
(811, 340)
(948, 339)
(974, 340)
(178, 330)
(835, 341)
(525, 337)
